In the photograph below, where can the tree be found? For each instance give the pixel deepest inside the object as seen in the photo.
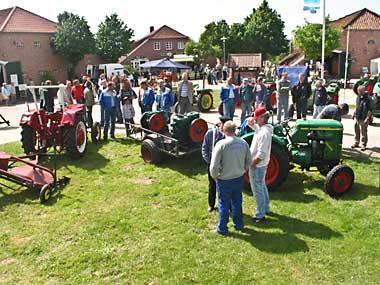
(73, 39)
(202, 51)
(264, 31)
(309, 39)
(214, 32)
(113, 38)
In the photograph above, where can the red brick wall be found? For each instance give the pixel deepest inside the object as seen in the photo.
(146, 50)
(362, 51)
(34, 60)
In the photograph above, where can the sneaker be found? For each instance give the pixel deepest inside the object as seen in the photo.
(210, 209)
(355, 145)
(258, 220)
(363, 148)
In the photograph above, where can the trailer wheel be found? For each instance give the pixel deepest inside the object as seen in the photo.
(339, 180)
(45, 193)
(150, 152)
(277, 170)
(205, 102)
(75, 138)
(96, 132)
(176, 108)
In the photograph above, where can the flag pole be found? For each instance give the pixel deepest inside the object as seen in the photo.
(323, 40)
(346, 64)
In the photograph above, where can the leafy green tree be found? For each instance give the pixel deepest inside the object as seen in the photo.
(214, 32)
(202, 51)
(113, 38)
(309, 39)
(264, 31)
(73, 39)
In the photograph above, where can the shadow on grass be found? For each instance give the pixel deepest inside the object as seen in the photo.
(359, 156)
(360, 192)
(286, 242)
(189, 165)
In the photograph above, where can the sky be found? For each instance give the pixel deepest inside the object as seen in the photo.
(187, 17)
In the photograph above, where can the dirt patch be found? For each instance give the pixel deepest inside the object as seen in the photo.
(8, 260)
(19, 241)
(144, 180)
(127, 167)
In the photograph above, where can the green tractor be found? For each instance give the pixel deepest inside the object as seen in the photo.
(308, 144)
(201, 97)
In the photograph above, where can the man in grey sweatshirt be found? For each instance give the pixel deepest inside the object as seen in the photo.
(230, 160)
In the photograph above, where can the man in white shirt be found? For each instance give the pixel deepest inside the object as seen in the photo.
(185, 94)
(260, 151)
(5, 93)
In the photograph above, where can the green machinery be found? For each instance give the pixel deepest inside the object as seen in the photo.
(308, 144)
(182, 136)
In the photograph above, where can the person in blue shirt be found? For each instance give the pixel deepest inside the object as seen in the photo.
(164, 99)
(211, 137)
(146, 97)
(229, 95)
(108, 100)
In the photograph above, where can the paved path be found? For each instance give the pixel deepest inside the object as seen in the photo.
(13, 113)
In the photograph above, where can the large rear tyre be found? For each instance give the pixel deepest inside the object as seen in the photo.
(31, 141)
(75, 138)
(205, 102)
(339, 180)
(277, 170)
(150, 152)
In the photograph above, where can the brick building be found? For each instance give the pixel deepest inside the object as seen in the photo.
(160, 43)
(364, 41)
(364, 44)
(26, 38)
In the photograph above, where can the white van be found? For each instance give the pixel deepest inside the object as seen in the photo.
(108, 68)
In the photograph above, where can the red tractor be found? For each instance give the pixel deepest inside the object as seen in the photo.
(62, 130)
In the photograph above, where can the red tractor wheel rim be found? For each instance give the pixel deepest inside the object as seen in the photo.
(80, 136)
(273, 99)
(146, 154)
(156, 122)
(342, 182)
(273, 170)
(198, 130)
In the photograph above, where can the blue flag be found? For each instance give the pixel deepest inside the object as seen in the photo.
(311, 5)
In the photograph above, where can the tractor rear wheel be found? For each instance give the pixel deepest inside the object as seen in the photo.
(205, 102)
(277, 170)
(339, 180)
(150, 152)
(31, 141)
(75, 138)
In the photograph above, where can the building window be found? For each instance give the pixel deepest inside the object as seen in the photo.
(181, 45)
(156, 46)
(19, 44)
(36, 44)
(169, 45)
(371, 42)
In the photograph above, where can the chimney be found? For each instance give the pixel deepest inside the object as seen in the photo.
(151, 29)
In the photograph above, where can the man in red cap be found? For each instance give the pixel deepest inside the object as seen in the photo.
(260, 151)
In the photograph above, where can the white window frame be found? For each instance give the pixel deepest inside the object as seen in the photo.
(169, 45)
(181, 45)
(19, 44)
(37, 44)
(156, 46)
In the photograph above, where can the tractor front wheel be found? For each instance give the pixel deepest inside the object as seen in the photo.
(339, 180)
(205, 102)
(150, 152)
(75, 138)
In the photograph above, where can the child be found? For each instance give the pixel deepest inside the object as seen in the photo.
(126, 97)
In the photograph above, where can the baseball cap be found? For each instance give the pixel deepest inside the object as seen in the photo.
(258, 112)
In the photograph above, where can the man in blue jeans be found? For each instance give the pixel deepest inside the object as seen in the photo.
(228, 95)
(229, 161)
(108, 101)
(260, 151)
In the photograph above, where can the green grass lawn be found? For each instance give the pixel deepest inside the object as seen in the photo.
(121, 221)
